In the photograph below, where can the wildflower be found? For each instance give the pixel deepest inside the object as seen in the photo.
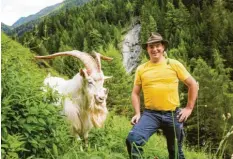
(224, 117)
(228, 115)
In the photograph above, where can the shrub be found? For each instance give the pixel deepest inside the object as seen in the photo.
(31, 125)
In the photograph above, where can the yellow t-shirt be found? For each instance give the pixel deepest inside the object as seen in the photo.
(159, 82)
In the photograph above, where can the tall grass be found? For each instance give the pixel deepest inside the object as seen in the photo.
(226, 135)
(109, 143)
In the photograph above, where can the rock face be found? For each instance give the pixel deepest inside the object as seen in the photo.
(131, 49)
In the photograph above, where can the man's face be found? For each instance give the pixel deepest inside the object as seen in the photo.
(155, 51)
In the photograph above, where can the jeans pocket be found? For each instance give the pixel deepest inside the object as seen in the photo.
(178, 110)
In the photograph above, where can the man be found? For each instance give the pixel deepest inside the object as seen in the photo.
(158, 78)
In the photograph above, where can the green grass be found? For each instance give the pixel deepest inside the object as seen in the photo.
(109, 142)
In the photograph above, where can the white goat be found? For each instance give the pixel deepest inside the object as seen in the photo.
(84, 94)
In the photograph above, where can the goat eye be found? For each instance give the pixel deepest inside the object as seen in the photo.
(90, 82)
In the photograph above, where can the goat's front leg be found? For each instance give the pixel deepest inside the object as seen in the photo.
(78, 138)
(85, 136)
(76, 134)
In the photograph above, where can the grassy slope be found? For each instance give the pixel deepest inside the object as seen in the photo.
(14, 52)
(109, 142)
(25, 126)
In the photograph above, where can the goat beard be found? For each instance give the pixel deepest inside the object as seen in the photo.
(98, 115)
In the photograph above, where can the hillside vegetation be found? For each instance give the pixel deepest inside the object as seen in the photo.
(30, 124)
(33, 127)
(200, 36)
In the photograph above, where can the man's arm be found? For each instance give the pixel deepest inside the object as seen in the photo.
(192, 96)
(136, 103)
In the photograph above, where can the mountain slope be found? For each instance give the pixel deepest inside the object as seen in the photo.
(38, 15)
(25, 24)
(6, 29)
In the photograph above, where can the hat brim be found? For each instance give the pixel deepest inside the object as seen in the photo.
(164, 42)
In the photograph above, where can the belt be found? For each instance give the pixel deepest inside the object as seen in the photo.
(162, 111)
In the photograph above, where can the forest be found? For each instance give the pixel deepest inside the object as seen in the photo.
(200, 35)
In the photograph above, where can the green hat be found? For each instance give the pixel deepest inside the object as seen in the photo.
(154, 38)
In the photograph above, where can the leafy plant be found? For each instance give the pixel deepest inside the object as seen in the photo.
(31, 125)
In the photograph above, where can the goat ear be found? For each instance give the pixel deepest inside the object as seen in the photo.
(82, 73)
(107, 77)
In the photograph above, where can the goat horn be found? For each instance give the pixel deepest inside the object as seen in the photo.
(105, 58)
(99, 56)
(88, 61)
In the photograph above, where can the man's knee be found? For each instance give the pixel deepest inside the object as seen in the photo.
(135, 138)
(134, 143)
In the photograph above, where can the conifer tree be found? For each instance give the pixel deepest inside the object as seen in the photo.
(214, 101)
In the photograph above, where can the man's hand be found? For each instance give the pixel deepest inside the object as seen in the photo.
(135, 119)
(192, 96)
(184, 114)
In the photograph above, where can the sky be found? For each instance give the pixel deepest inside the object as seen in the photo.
(12, 10)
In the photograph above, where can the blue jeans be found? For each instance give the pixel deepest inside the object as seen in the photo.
(148, 124)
